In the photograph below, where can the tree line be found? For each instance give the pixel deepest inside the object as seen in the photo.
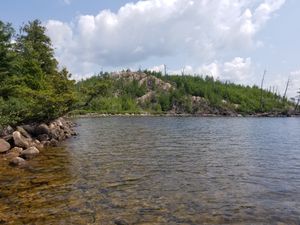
(33, 88)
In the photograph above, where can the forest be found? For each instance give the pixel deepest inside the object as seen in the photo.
(148, 91)
(33, 88)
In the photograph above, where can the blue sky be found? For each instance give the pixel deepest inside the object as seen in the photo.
(230, 40)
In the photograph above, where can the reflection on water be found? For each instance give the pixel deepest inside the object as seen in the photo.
(161, 171)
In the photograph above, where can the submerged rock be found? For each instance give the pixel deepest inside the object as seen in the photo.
(29, 153)
(53, 143)
(4, 146)
(17, 161)
(36, 143)
(14, 152)
(120, 222)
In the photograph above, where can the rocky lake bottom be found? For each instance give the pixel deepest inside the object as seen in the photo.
(161, 170)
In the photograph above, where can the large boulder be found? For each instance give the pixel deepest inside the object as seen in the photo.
(42, 129)
(4, 146)
(23, 132)
(20, 140)
(30, 153)
(6, 131)
(8, 138)
(17, 161)
(30, 128)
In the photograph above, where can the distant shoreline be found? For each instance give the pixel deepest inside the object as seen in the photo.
(258, 115)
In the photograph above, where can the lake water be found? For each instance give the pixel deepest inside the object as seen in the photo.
(161, 170)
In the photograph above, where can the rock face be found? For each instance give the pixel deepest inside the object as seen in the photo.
(20, 140)
(4, 146)
(17, 161)
(29, 153)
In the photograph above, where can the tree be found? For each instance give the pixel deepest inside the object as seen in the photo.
(35, 46)
(6, 33)
(298, 101)
(6, 55)
(32, 87)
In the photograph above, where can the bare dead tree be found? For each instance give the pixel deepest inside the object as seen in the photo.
(286, 89)
(261, 88)
(298, 101)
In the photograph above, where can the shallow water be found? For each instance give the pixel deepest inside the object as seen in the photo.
(156, 170)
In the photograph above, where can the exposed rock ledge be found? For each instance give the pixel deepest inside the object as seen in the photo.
(25, 142)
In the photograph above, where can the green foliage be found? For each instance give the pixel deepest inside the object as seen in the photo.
(165, 102)
(6, 57)
(120, 95)
(32, 88)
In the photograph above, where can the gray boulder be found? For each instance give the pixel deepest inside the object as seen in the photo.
(4, 146)
(42, 129)
(29, 153)
(8, 138)
(6, 131)
(30, 128)
(23, 132)
(20, 140)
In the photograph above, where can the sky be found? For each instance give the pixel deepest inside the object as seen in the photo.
(232, 40)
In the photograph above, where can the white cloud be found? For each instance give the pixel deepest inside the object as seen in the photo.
(278, 83)
(212, 69)
(237, 70)
(201, 31)
(60, 33)
(294, 83)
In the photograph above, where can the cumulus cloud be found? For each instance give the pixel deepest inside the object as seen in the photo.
(237, 70)
(294, 83)
(201, 31)
(278, 82)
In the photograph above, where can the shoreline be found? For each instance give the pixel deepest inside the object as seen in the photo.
(258, 115)
(24, 142)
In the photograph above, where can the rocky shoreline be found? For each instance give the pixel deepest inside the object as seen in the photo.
(22, 143)
(95, 115)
